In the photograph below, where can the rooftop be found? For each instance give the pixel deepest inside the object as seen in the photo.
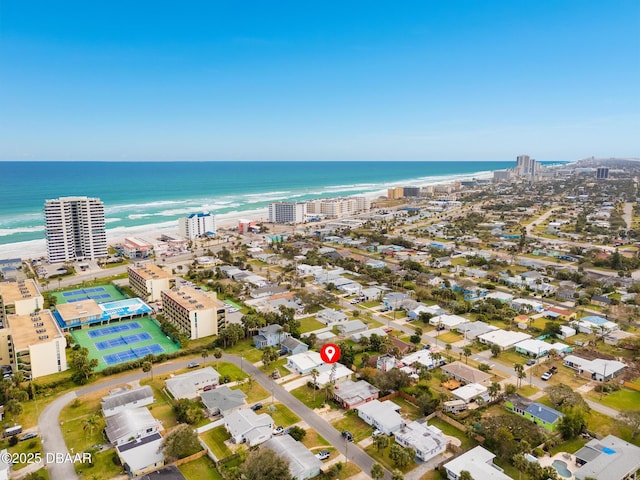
(300, 459)
(123, 398)
(32, 329)
(16, 291)
(150, 271)
(81, 309)
(608, 459)
(189, 298)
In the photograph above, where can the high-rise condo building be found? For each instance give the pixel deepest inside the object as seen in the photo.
(75, 229)
(148, 281)
(196, 225)
(287, 212)
(602, 173)
(193, 312)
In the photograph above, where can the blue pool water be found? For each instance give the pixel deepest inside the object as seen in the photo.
(562, 469)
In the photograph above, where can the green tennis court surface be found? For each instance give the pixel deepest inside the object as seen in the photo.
(99, 293)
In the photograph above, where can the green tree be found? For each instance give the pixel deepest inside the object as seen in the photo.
(13, 407)
(147, 367)
(494, 390)
(495, 350)
(381, 442)
(572, 423)
(89, 425)
(187, 411)
(520, 373)
(377, 471)
(82, 366)
(264, 464)
(632, 419)
(397, 475)
(520, 463)
(314, 376)
(217, 353)
(297, 433)
(180, 443)
(466, 351)
(465, 475)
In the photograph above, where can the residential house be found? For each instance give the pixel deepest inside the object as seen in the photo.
(350, 394)
(597, 369)
(478, 462)
(402, 346)
(379, 331)
(332, 373)
(386, 362)
(304, 362)
(302, 463)
(433, 310)
(130, 424)
(449, 322)
(371, 293)
(471, 330)
(352, 327)
(540, 414)
(223, 400)
(329, 316)
(466, 374)
(558, 313)
(421, 358)
(601, 300)
(393, 300)
(427, 440)
(471, 392)
(190, 384)
(537, 348)
(505, 339)
(293, 346)
(595, 324)
(608, 459)
(122, 399)
(142, 455)
(247, 426)
(269, 336)
(384, 416)
(441, 262)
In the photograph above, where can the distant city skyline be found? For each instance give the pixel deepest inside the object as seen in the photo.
(422, 80)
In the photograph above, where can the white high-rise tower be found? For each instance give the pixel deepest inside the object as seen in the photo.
(75, 229)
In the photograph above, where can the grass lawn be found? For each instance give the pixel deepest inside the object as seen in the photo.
(407, 409)
(510, 357)
(528, 390)
(449, 337)
(467, 443)
(349, 470)
(382, 457)
(254, 393)
(351, 422)
(162, 408)
(434, 475)
(306, 395)
(570, 446)
(281, 414)
(28, 446)
(314, 440)
(277, 365)
(215, 439)
(201, 469)
(246, 349)
(623, 399)
(370, 304)
(73, 418)
(103, 466)
(231, 370)
(309, 324)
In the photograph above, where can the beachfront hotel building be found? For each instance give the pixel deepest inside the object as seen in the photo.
(197, 225)
(287, 212)
(147, 281)
(75, 229)
(194, 312)
(19, 298)
(338, 207)
(33, 344)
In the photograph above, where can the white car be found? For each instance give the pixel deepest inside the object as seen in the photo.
(546, 376)
(278, 431)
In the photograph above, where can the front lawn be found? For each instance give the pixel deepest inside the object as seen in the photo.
(105, 465)
(382, 457)
(352, 423)
(309, 324)
(230, 370)
(281, 414)
(201, 469)
(623, 399)
(254, 393)
(310, 397)
(277, 365)
(214, 439)
(245, 348)
(313, 440)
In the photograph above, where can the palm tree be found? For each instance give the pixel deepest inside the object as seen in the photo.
(148, 367)
(377, 471)
(519, 368)
(314, 375)
(466, 351)
(448, 348)
(205, 354)
(89, 424)
(494, 390)
(218, 354)
(520, 463)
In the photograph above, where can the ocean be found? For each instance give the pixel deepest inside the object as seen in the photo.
(156, 194)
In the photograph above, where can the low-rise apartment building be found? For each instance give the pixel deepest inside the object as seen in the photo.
(194, 312)
(148, 281)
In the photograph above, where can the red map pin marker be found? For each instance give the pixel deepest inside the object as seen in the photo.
(330, 353)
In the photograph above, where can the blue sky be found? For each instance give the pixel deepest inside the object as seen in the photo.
(307, 80)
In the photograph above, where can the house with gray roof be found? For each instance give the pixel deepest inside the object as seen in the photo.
(191, 384)
(329, 316)
(302, 463)
(608, 459)
(352, 327)
(478, 462)
(352, 394)
(540, 414)
(428, 441)
(142, 455)
(247, 426)
(131, 424)
(384, 416)
(223, 400)
(466, 374)
(269, 336)
(120, 400)
(292, 345)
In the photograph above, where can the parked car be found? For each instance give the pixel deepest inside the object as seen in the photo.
(376, 433)
(257, 406)
(553, 370)
(347, 435)
(323, 454)
(28, 436)
(278, 431)
(193, 365)
(209, 387)
(546, 376)
(531, 362)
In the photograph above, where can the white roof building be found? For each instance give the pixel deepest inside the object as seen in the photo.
(302, 463)
(382, 415)
(505, 339)
(247, 426)
(129, 424)
(190, 384)
(142, 455)
(379, 331)
(448, 321)
(327, 374)
(608, 459)
(599, 369)
(304, 362)
(478, 462)
(537, 348)
(471, 392)
(428, 441)
(419, 358)
(117, 401)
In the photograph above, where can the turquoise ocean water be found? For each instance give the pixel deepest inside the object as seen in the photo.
(157, 193)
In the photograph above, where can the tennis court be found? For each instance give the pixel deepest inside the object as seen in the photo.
(110, 346)
(101, 294)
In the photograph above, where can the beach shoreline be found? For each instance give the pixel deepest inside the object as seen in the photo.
(31, 249)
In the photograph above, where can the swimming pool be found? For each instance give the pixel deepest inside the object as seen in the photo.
(562, 469)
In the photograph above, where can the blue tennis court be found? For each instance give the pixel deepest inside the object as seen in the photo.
(120, 341)
(132, 354)
(137, 337)
(101, 332)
